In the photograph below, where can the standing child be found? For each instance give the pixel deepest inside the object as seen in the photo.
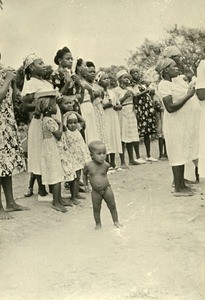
(101, 188)
(52, 172)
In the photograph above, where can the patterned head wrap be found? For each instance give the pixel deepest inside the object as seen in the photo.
(163, 64)
(121, 73)
(29, 60)
(171, 51)
(42, 102)
(99, 76)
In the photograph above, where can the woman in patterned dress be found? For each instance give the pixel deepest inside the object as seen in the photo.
(144, 110)
(11, 154)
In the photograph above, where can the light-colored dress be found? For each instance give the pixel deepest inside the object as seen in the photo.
(77, 149)
(11, 154)
(180, 127)
(100, 119)
(128, 122)
(52, 171)
(200, 84)
(35, 135)
(67, 159)
(88, 115)
(112, 121)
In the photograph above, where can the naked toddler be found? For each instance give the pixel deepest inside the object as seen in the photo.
(96, 170)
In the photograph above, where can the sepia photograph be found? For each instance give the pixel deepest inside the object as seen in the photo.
(102, 149)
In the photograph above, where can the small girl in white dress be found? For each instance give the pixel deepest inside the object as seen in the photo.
(51, 168)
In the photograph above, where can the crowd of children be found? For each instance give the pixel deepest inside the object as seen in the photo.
(78, 124)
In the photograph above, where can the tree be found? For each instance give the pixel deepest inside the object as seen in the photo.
(190, 41)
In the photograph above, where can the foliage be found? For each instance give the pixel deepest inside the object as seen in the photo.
(190, 41)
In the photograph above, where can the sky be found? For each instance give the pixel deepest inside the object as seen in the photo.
(103, 31)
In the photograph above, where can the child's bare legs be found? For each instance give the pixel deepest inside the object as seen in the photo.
(41, 188)
(11, 205)
(97, 202)
(56, 191)
(73, 189)
(110, 201)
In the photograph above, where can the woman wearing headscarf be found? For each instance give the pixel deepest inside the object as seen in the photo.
(11, 154)
(178, 133)
(200, 91)
(127, 118)
(181, 83)
(145, 113)
(34, 83)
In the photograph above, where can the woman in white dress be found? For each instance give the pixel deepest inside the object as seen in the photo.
(200, 91)
(178, 125)
(111, 108)
(127, 117)
(86, 105)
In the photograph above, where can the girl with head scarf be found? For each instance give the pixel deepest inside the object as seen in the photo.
(127, 118)
(11, 154)
(111, 108)
(177, 117)
(34, 83)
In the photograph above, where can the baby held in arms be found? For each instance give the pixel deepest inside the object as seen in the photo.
(96, 170)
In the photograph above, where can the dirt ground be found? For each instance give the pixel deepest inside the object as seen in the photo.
(158, 254)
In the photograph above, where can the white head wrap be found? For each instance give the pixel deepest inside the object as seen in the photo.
(171, 51)
(163, 63)
(29, 60)
(67, 116)
(99, 76)
(121, 73)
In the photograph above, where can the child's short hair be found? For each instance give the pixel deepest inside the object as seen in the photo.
(93, 145)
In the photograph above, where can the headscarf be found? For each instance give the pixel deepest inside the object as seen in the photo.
(171, 51)
(99, 76)
(29, 60)
(67, 116)
(121, 73)
(163, 63)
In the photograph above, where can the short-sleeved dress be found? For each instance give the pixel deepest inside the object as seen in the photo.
(128, 122)
(77, 149)
(11, 154)
(88, 114)
(35, 136)
(52, 171)
(112, 121)
(180, 127)
(100, 119)
(145, 112)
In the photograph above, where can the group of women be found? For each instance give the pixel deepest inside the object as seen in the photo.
(119, 116)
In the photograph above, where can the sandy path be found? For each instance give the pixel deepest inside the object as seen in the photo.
(158, 254)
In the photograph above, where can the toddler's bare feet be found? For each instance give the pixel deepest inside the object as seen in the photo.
(98, 226)
(118, 225)
(4, 215)
(16, 207)
(59, 207)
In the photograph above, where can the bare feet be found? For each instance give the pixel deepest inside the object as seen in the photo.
(4, 215)
(16, 207)
(186, 192)
(75, 201)
(66, 203)
(98, 226)
(59, 207)
(118, 225)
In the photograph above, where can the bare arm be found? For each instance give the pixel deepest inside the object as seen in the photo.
(175, 106)
(5, 87)
(58, 133)
(27, 102)
(85, 178)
